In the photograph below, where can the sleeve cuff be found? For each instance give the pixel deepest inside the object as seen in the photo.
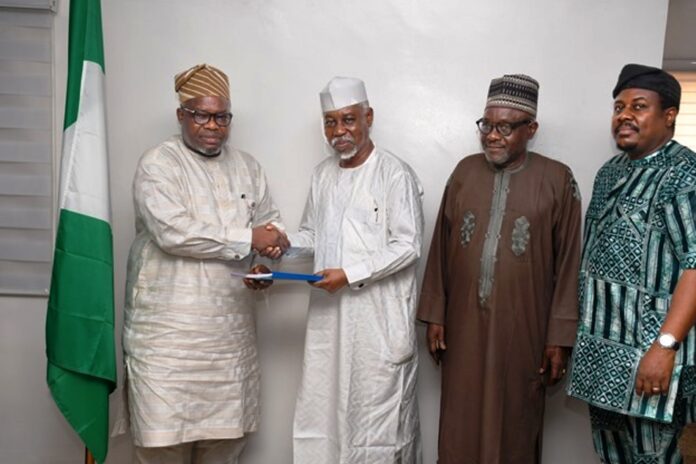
(279, 225)
(357, 275)
(687, 261)
(239, 248)
(431, 309)
(561, 332)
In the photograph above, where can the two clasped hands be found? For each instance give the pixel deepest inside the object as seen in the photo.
(272, 243)
(269, 241)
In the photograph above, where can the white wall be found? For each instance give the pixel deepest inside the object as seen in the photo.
(427, 66)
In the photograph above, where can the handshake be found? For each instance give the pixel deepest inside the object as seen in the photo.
(269, 241)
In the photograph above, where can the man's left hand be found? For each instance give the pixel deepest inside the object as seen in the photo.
(332, 280)
(554, 363)
(655, 371)
(255, 284)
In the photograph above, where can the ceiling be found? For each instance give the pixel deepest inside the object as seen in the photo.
(680, 38)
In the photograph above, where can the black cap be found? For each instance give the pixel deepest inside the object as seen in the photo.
(638, 76)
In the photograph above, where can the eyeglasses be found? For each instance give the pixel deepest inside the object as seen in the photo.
(202, 118)
(503, 128)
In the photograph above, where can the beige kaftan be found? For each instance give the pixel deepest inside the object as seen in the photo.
(189, 329)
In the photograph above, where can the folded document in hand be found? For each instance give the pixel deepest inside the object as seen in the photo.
(279, 275)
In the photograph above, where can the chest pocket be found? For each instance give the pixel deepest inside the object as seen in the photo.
(363, 225)
(244, 210)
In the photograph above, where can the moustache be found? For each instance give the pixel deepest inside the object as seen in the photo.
(626, 124)
(343, 138)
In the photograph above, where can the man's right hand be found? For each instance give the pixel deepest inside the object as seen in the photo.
(435, 337)
(269, 241)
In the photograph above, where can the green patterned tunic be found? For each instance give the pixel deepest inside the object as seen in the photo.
(640, 234)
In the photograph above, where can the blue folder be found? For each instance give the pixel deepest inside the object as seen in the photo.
(295, 276)
(278, 275)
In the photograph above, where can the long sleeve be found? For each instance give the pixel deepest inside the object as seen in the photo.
(302, 241)
(567, 236)
(405, 234)
(163, 204)
(433, 298)
(266, 210)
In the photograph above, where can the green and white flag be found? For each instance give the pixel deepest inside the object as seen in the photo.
(80, 318)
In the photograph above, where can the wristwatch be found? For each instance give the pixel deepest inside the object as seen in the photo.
(667, 341)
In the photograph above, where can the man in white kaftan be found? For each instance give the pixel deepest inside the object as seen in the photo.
(363, 221)
(189, 332)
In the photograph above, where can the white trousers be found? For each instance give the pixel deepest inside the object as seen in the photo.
(195, 452)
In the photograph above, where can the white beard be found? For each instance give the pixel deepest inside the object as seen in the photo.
(347, 155)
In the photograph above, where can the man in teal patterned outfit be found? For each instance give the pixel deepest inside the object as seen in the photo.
(636, 346)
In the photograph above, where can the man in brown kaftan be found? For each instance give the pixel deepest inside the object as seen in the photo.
(500, 289)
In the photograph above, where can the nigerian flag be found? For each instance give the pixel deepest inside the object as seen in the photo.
(80, 317)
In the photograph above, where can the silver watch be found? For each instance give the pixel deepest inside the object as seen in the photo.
(667, 341)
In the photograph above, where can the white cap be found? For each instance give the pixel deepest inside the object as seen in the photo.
(341, 92)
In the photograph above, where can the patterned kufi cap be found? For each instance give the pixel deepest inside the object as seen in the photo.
(341, 92)
(201, 80)
(516, 91)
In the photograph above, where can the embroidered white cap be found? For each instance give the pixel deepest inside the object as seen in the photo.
(341, 92)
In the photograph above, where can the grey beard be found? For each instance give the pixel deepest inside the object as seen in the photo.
(206, 153)
(499, 161)
(348, 155)
(344, 156)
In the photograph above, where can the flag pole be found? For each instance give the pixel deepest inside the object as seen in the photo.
(89, 459)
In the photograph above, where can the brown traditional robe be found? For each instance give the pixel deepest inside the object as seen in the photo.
(502, 278)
